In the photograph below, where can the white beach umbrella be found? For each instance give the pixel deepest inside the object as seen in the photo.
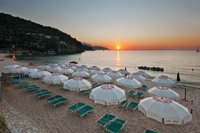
(30, 70)
(11, 66)
(163, 92)
(18, 70)
(54, 69)
(144, 74)
(163, 80)
(101, 78)
(165, 109)
(53, 65)
(82, 69)
(97, 71)
(122, 71)
(66, 71)
(108, 94)
(106, 70)
(71, 67)
(80, 74)
(77, 84)
(74, 65)
(62, 65)
(83, 66)
(39, 74)
(43, 67)
(137, 76)
(94, 68)
(114, 74)
(55, 78)
(129, 82)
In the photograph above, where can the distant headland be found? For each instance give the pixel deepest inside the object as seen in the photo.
(24, 37)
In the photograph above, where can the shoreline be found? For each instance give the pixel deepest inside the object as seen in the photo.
(57, 119)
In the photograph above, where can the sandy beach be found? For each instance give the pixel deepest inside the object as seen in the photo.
(21, 106)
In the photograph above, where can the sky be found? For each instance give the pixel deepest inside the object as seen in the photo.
(131, 24)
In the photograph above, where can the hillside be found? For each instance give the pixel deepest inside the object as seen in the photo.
(28, 37)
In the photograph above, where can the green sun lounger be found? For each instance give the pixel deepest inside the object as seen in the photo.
(96, 84)
(149, 131)
(144, 87)
(32, 87)
(131, 92)
(59, 101)
(70, 77)
(50, 99)
(14, 79)
(42, 94)
(123, 103)
(105, 119)
(22, 83)
(132, 105)
(61, 86)
(140, 94)
(40, 91)
(76, 106)
(85, 91)
(25, 76)
(116, 126)
(84, 110)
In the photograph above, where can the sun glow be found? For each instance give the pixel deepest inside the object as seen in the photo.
(117, 47)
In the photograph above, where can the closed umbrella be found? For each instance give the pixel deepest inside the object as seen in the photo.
(129, 82)
(163, 92)
(165, 109)
(55, 79)
(101, 78)
(178, 77)
(108, 94)
(77, 84)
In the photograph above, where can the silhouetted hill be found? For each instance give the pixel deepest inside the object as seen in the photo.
(30, 37)
(93, 47)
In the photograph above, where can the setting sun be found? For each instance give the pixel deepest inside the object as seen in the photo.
(118, 47)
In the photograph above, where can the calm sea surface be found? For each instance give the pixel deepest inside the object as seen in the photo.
(172, 61)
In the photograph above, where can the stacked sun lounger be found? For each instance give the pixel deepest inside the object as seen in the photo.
(57, 99)
(25, 76)
(111, 123)
(31, 88)
(43, 93)
(14, 79)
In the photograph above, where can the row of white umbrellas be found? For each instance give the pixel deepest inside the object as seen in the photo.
(159, 107)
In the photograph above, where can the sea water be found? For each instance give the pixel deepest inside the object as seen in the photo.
(187, 63)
